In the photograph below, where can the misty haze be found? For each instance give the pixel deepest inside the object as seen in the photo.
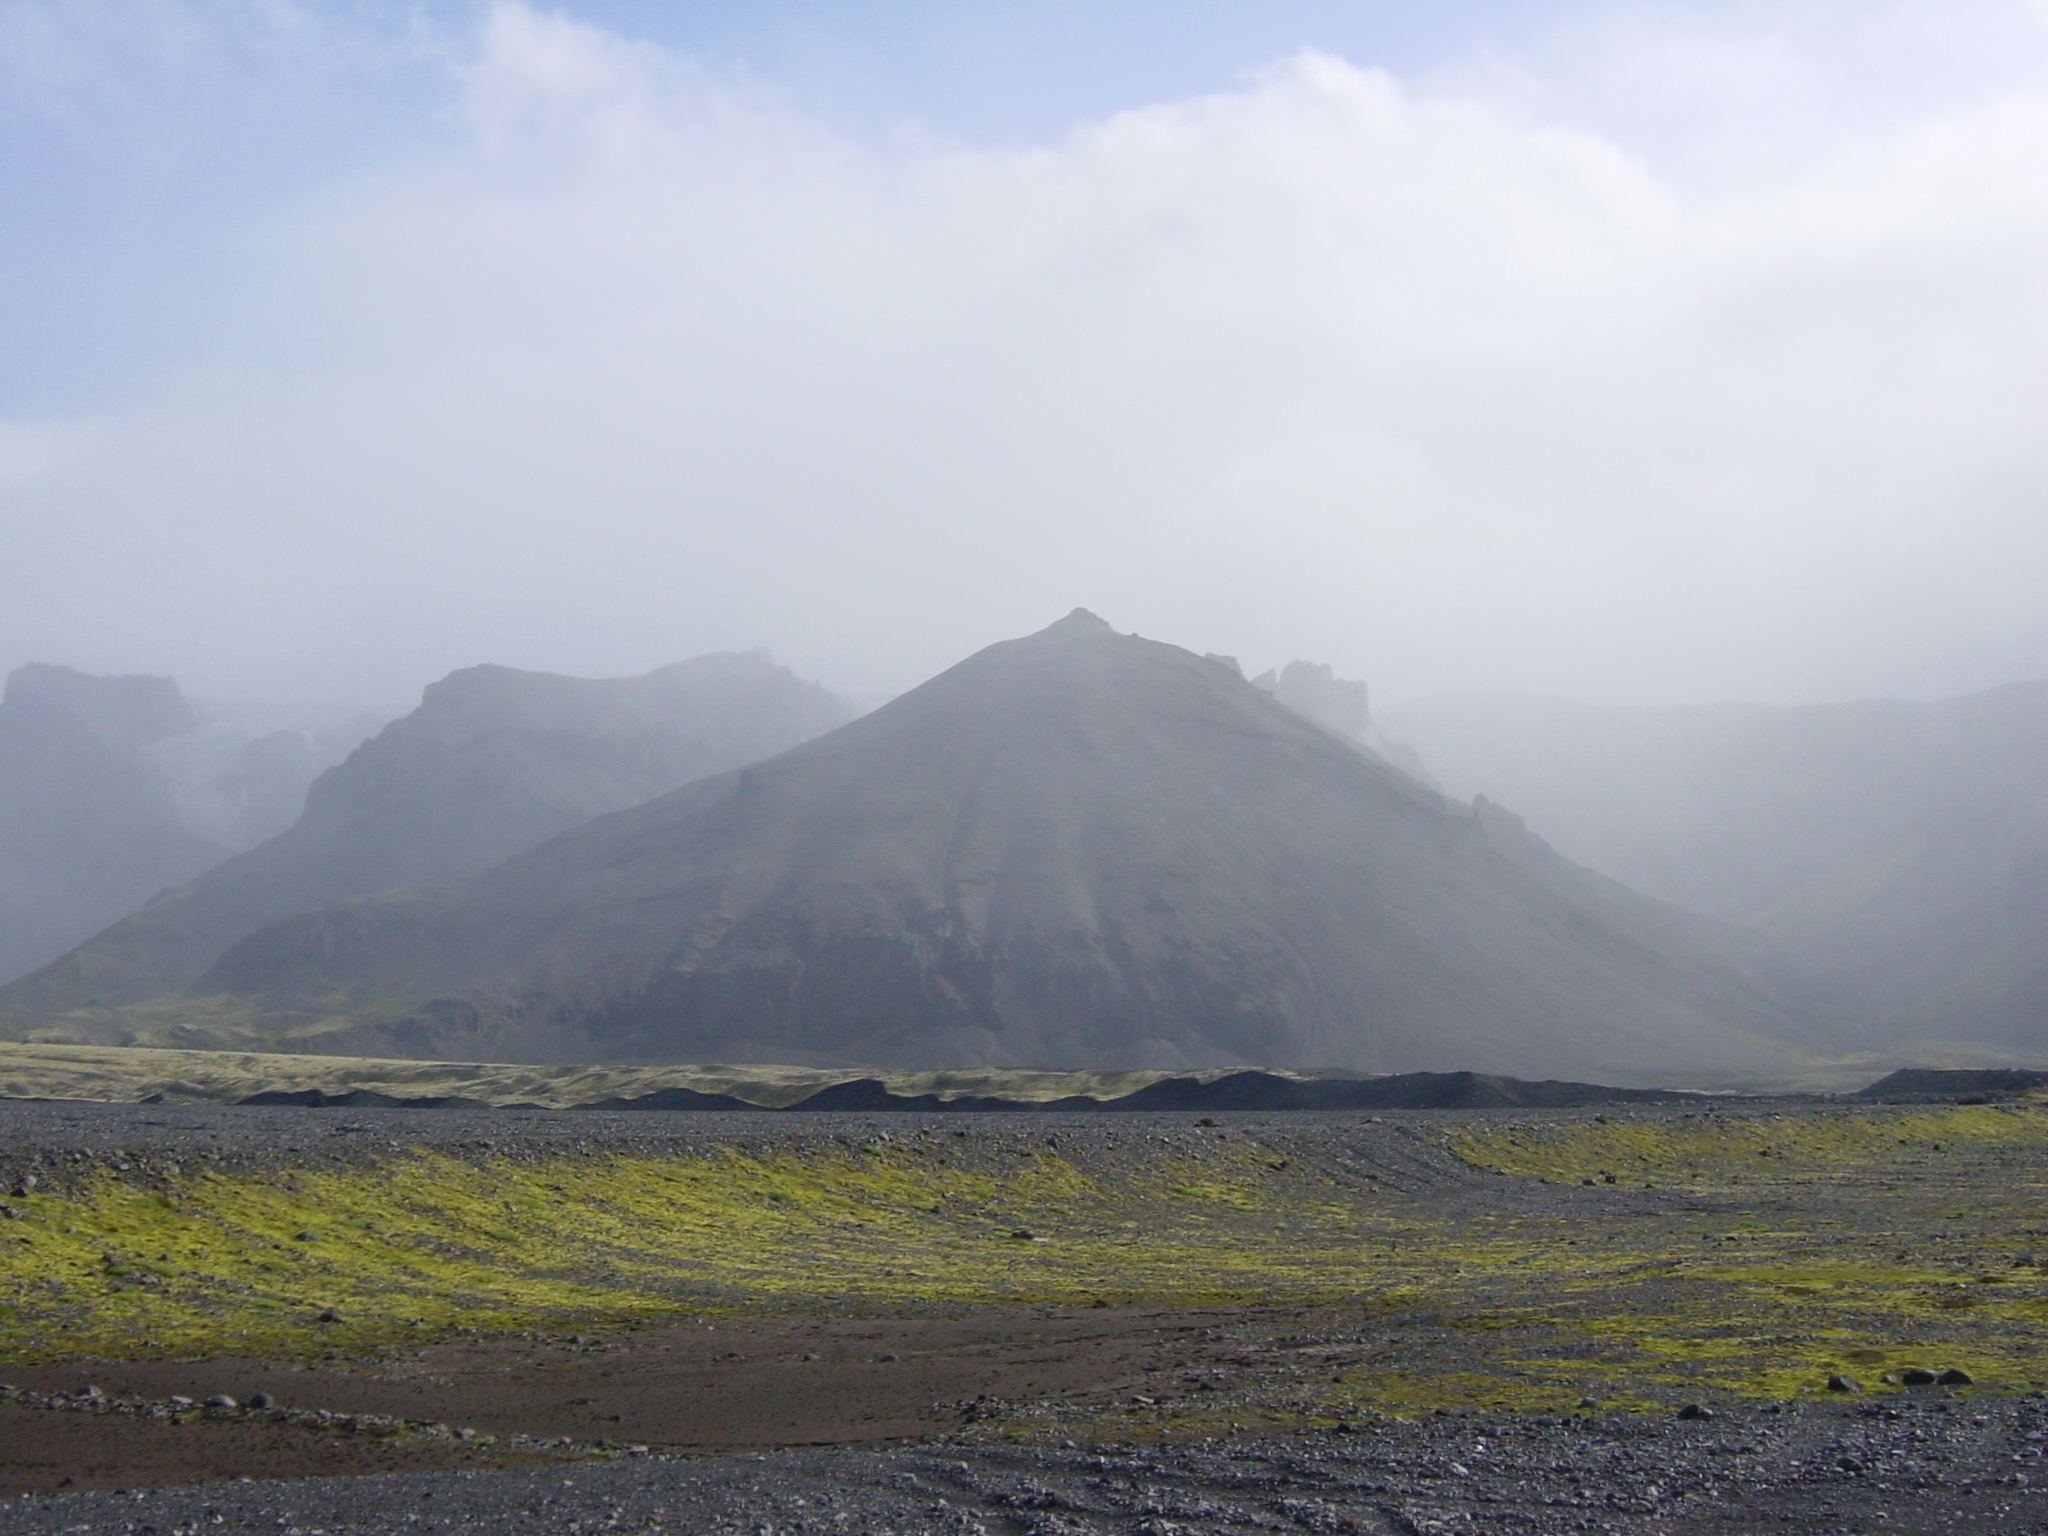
(1083, 769)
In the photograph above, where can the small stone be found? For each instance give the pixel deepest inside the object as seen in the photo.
(221, 1400)
(1695, 1411)
(87, 1393)
(1023, 1235)
(180, 1402)
(1954, 1377)
(1840, 1383)
(1918, 1377)
(1589, 1402)
(328, 1315)
(260, 1400)
(305, 1237)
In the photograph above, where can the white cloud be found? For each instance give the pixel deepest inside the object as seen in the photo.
(1421, 380)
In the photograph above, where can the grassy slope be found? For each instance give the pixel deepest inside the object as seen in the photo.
(1860, 1241)
(128, 1075)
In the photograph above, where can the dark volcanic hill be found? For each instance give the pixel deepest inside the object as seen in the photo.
(1076, 849)
(1896, 850)
(88, 829)
(492, 762)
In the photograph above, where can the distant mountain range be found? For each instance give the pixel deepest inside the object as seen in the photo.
(1077, 849)
(1896, 852)
(492, 762)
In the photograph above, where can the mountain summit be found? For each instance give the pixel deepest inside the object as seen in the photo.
(1080, 848)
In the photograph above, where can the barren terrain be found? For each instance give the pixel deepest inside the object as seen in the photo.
(1405, 1321)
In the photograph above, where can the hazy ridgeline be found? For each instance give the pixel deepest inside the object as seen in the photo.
(1082, 849)
(113, 788)
(492, 762)
(1896, 851)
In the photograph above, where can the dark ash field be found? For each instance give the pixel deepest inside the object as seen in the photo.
(1410, 1321)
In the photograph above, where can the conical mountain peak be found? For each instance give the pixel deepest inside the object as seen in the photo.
(1080, 622)
(1111, 854)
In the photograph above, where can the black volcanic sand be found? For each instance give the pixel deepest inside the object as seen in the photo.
(1931, 1466)
(1060, 1420)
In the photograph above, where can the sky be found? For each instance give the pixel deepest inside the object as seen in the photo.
(1634, 352)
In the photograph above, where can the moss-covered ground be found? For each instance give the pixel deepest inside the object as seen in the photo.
(1637, 1259)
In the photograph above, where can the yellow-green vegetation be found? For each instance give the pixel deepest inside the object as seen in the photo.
(57, 1070)
(1723, 1146)
(1769, 1251)
(1800, 1244)
(250, 1261)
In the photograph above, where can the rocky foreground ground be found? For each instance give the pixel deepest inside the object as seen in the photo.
(1620, 1320)
(1913, 1466)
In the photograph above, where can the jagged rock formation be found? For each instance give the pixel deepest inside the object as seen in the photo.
(1897, 851)
(492, 762)
(1076, 849)
(1313, 689)
(88, 830)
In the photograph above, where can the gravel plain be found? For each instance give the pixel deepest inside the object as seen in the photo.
(1911, 1460)
(1929, 1465)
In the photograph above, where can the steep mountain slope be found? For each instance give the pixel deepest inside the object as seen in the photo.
(492, 762)
(1899, 851)
(88, 830)
(1078, 849)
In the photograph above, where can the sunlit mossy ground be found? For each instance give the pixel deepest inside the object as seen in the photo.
(1735, 1252)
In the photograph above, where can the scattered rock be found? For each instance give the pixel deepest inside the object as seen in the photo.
(1955, 1377)
(85, 1393)
(1695, 1411)
(1918, 1377)
(221, 1400)
(1589, 1402)
(260, 1400)
(328, 1315)
(1840, 1383)
(305, 1237)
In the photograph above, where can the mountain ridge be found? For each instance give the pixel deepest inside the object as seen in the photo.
(1070, 849)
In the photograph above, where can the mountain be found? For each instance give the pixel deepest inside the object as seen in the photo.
(492, 762)
(1076, 849)
(88, 829)
(1897, 851)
